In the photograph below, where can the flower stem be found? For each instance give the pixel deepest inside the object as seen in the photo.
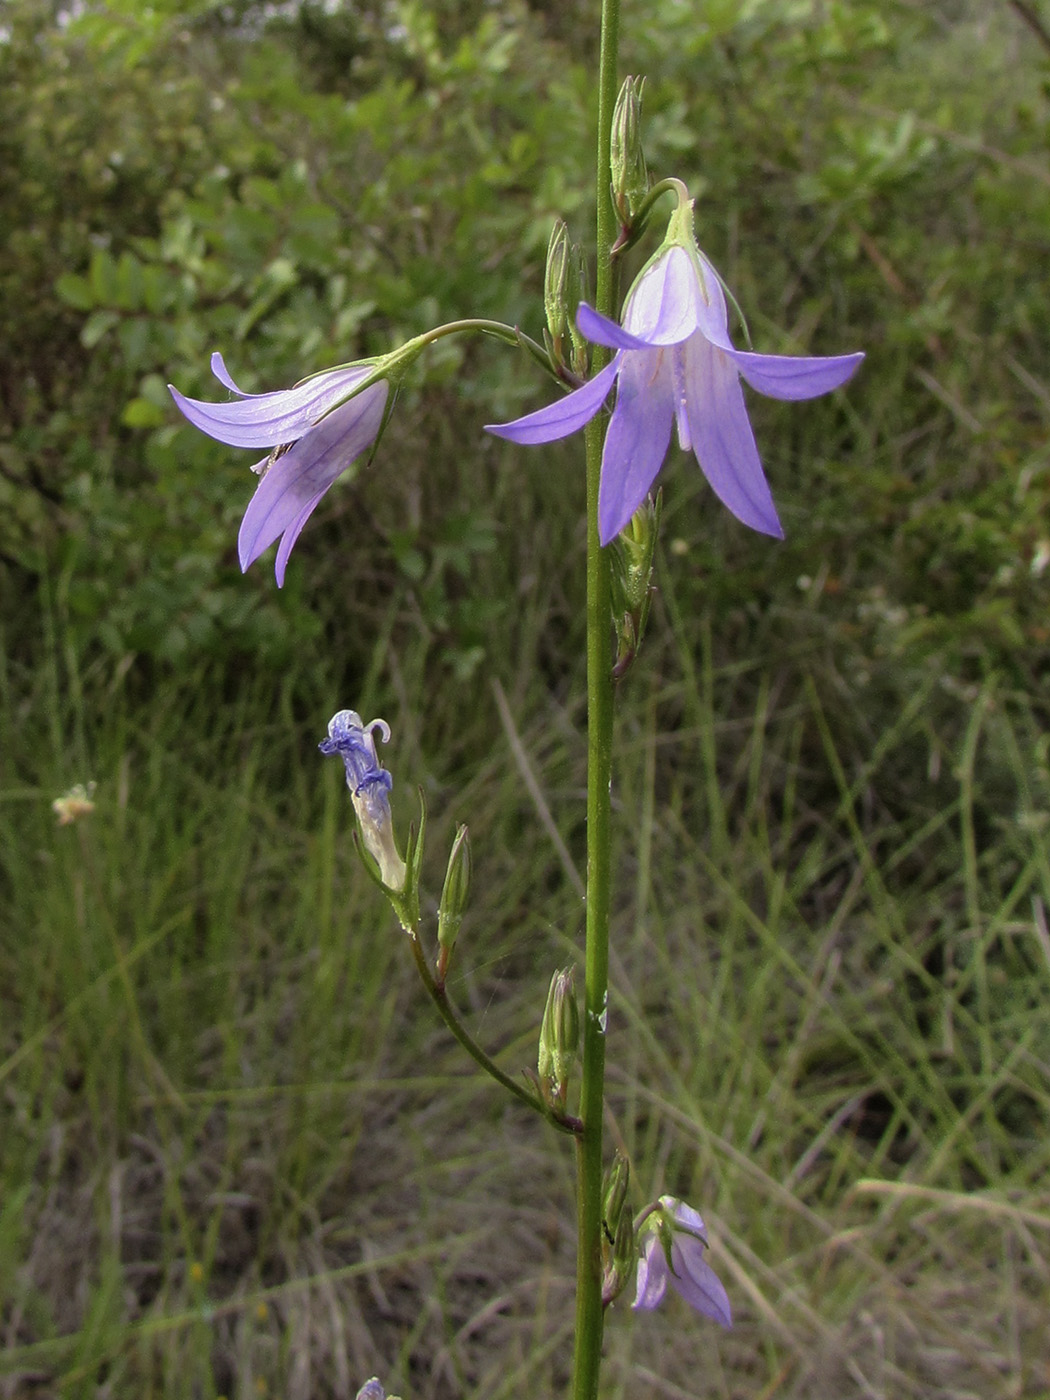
(589, 1314)
(439, 996)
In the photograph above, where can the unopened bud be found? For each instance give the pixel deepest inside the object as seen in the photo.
(562, 289)
(618, 1242)
(630, 175)
(614, 1192)
(632, 553)
(559, 1035)
(455, 890)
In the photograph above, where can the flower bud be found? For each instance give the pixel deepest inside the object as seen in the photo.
(630, 176)
(370, 786)
(559, 1036)
(618, 1242)
(614, 1192)
(562, 289)
(632, 553)
(455, 890)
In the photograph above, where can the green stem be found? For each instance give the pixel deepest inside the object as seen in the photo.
(589, 1315)
(439, 996)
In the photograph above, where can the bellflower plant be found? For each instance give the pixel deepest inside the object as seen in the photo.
(670, 358)
(315, 431)
(370, 786)
(675, 363)
(673, 1250)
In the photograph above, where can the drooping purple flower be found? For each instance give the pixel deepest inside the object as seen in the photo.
(673, 1250)
(314, 432)
(370, 785)
(675, 363)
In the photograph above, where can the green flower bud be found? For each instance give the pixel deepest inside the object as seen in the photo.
(559, 1036)
(618, 1242)
(555, 301)
(455, 890)
(630, 175)
(562, 289)
(632, 555)
(614, 1192)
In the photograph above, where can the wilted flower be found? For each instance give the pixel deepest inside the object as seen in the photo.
(675, 363)
(370, 786)
(75, 803)
(673, 1248)
(314, 432)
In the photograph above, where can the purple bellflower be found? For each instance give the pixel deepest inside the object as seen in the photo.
(673, 1249)
(314, 433)
(370, 786)
(675, 363)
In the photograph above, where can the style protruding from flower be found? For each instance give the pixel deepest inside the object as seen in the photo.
(675, 364)
(315, 432)
(370, 785)
(672, 1250)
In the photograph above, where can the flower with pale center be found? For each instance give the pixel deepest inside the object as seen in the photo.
(675, 364)
(673, 1251)
(315, 432)
(370, 785)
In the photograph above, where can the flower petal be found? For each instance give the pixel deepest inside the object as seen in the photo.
(292, 487)
(722, 438)
(602, 331)
(695, 1280)
(795, 376)
(685, 1217)
(564, 416)
(268, 420)
(225, 378)
(663, 306)
(636, 443)
(291, 534)
(651, 1282)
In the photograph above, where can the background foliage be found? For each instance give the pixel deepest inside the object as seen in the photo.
(219, 1093)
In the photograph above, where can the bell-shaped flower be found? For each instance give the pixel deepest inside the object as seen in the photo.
(370, 785)
(672, 1249)
(314, 433)
(675, 364)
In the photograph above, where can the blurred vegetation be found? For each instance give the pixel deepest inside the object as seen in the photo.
(834, 795)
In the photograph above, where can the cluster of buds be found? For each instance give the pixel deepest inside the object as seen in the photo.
(618, 1243)
(631, 576)
(559, 1039)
